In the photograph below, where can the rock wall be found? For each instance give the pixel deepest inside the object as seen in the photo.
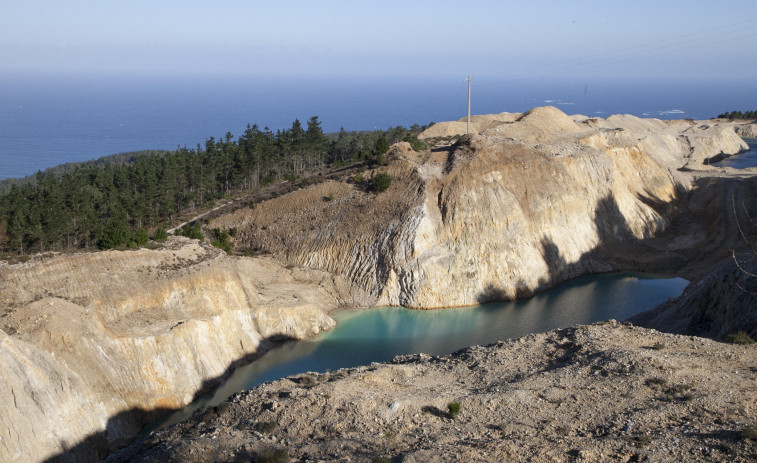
(96, 345)
(748, 130)
(92, 346)
(499, 215)
(722, 303)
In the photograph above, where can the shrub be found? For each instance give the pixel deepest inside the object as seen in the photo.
(656, 381)
(191, 231)
(641, 441)
(273, 456)
(381, 182)
(265, 427)
(160, 234)
(358, 178)
(415, 143)
(739, 338)
(453, 408)
(748, 433)
(658, 346)
(140, 236)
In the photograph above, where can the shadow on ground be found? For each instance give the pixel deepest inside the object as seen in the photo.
(123, 428)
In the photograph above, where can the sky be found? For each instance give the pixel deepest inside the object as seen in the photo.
(523, 39)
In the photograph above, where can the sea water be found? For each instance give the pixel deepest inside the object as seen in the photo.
(377, 335)
(46, 121)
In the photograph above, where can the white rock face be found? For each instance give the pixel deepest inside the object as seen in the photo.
(747, 130)
(92, 346)
(517, 208)
(512, 220)
(102, 343)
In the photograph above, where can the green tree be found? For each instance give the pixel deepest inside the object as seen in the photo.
(191, 231)
(160, 235)
(415, 143)
(221, 240)
(382, 145)
(116, 233)
(140, 236)
(3, 237)
(381, 182)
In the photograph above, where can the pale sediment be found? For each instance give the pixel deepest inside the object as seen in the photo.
(104, 343)
(95, 345)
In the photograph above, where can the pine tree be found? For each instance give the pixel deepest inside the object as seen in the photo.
(116, 233)
(3, 237)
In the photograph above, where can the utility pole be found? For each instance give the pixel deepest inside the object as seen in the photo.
(467, 130)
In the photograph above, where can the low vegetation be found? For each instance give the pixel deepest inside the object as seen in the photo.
(273, 455)
(748, 433)
(739, 338)
(658, 346)
(453, 408)
(381, 182)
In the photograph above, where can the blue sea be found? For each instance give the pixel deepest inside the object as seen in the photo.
(50, 121)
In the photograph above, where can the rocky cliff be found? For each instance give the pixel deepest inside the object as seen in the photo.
(719, 305)
(99, 344)
(747, 130)
(95, 345)
(517, 208)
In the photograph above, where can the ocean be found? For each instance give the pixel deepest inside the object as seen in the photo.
(50, 121)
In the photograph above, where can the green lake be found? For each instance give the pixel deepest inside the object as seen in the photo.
(377, 335)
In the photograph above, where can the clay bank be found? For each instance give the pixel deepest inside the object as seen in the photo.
(96, 345)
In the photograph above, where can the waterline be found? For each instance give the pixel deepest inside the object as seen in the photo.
(377, 335)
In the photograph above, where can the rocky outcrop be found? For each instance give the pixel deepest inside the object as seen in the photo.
(674, 144)
(747, 130)
(478, 123)
(94, 346)
(499, 215)
(596, 393)
(721, 304)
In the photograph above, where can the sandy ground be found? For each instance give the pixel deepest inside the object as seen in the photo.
(604, 392)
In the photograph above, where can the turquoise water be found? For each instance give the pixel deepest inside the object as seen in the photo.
(377, 335)
(743, 160)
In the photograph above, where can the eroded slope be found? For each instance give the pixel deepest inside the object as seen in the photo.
(520, 207)
(100, 344)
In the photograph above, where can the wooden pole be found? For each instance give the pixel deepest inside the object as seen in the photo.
(467, 130)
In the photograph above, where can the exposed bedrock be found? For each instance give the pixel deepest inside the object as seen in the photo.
(101, 344)
(93, 346)
(721, 304)
(499, 215)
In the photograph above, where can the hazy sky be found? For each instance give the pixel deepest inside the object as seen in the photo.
(659, 39)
